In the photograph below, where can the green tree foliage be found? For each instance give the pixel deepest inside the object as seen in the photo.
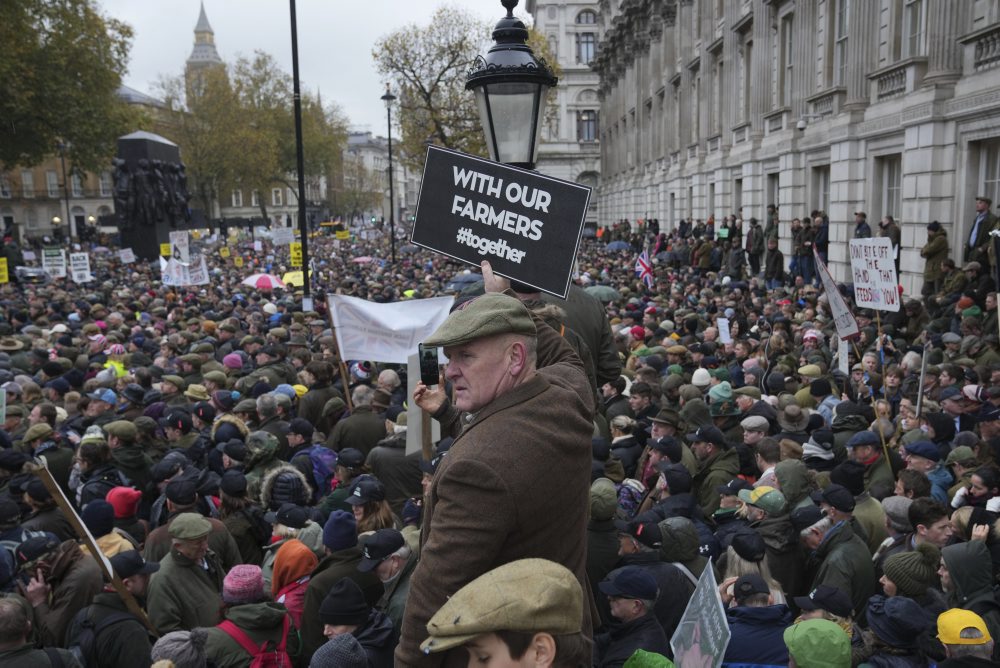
(428, 67)
(236, 129)
(60, 71)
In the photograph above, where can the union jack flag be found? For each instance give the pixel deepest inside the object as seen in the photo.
(644, 270)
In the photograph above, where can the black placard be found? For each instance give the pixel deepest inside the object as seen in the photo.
(527, 225)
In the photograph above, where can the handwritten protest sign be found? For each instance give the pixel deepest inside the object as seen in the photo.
(527, 225)
(873, 267)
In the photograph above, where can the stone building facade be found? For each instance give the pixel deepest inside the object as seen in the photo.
(885, 106)
(570, 148)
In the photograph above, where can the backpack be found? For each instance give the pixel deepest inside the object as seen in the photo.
(324, 464)
(84, 647)
(266, 655)
(260, 527)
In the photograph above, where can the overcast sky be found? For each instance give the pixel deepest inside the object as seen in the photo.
(335, 41)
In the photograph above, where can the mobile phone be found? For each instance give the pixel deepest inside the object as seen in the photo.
(430, 373)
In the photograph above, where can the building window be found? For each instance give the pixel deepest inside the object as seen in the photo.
(276, 197)
(738, 196)
(5, 187)
(27, 184)
(586, 47)
(821, 188)
(52, 184)
(888, 172)
(785, 64)
(718, 93)
(586, 17)
(914, 27)
(254, 198)
(989, 170)
(840, 43)
(237, 198)
(76, 185)
(31, 217)
(105, 184)
(586, 125)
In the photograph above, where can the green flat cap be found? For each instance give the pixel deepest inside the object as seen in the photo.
(189, 526)
(37, 431)
(121, 429)
(191, 358)
(216, 377)
(529, 595)
(15, 410)
(962, 453)
(488, 315)
(748, 391)
(176, 381)
(246, 406)
(810, 371)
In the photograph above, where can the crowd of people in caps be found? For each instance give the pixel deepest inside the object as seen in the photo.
(254, 495)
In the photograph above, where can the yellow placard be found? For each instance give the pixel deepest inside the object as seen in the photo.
(4, 276)
(195, 234)
(295, 253)
(238, 261)
(343, 235)
(165, 250)
(224, 251)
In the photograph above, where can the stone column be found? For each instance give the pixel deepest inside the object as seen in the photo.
(760, 78)
(862, 31)
(946, 22)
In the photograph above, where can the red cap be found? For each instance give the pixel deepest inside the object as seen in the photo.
(638, 333)
(124, 500)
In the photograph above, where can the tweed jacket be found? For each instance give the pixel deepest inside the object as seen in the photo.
(515, 484)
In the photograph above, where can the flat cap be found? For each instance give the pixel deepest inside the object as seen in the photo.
(189, 526)
(176, 381)
(528, 595)
(488, 315)
(755, 423)
(121, 429)
(810, 371)
(748, 391)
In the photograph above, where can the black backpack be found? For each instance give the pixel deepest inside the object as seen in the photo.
(84, 647)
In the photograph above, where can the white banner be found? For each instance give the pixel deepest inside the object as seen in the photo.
(385, 332)
(282, 235)
(54, 262)
(126, 255)
(180, 249)
(873, 266)
(79, 266)
(175, 274)
(844, 320)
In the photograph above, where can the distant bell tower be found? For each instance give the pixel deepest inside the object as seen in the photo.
(204, 55)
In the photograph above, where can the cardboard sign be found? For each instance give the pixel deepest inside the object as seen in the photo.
(342, 235)
(527, 225)
(29, 256)
(79, 267)
(844, 320)
(126, 255)
(282, 235)
(258, 246)
(54, 262)
(181, 250)
(238, 261)
(725, 336)
(165, 250)
(224, 252)
(703, 634)
(873, 267)
(295, 253)
(4, 275)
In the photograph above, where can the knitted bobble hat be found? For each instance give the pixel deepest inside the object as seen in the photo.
(913, 572)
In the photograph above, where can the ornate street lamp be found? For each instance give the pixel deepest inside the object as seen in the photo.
(389, 98)
(511, 85)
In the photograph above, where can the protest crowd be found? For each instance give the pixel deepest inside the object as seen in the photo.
(688, 407)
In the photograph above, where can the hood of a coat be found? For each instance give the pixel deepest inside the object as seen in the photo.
(793, 480)
(680, 539)
(229, 419)
(286, 480)
(262, 447)
(603, 499)
(971, 569)
(266, 615)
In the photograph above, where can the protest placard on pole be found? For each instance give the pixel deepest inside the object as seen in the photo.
(282, 236)
(416, 416)
(295, 254)
(703, 634)
(4, 274)
(843, 319)
(874, 270)
(79, 266)
(54, 262)
(126, 255)
(725, 335)
(527, 225)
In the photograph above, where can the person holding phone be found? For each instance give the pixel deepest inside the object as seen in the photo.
(516, 481)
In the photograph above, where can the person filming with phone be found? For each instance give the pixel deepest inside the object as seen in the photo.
(516, 481)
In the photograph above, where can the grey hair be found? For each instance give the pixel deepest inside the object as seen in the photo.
(362, 395)
(822, 526)
(267, 405)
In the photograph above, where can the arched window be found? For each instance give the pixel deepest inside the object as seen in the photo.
(586, 17)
